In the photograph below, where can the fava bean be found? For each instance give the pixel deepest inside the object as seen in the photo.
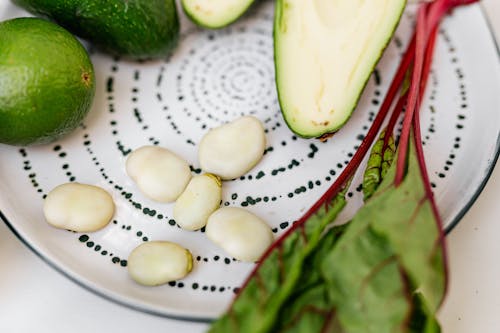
(201, 198)
(232, 149)
(160, 174)
(240, 233)
(158, 262)
(78, 207)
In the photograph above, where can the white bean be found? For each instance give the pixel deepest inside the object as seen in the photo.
(232, 149)
(78, 207)
(240, 233)
(159, 262)
(160, 174)
(201, 198)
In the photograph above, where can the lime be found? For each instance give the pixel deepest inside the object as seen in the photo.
(47, 82)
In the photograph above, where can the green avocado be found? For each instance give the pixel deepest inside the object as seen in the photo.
(215, 14)
(137, 29)
(325, 52)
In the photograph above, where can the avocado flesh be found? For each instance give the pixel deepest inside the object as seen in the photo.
(137, 29)
(215, 14)
(325, 52)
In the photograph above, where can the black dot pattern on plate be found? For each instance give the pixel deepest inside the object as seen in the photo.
(461, 111)
(129, 228)
(32, 175)
(431, 129)
(65, 167)
(135, 108)
(92, 245)
(227, 75)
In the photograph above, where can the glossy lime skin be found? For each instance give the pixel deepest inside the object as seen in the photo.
(136, 29)
(47, 82)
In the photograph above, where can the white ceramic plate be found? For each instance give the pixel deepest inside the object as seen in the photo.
(214, 77)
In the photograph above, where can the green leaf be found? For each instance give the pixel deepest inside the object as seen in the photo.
(390, 249)
(422, 320)
(379, 163)
(365, 282)
(309, 308)
(270, 287)
(404, 215)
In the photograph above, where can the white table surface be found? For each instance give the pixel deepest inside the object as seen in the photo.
(36, 298)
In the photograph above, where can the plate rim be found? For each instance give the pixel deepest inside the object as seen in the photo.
(203, 319)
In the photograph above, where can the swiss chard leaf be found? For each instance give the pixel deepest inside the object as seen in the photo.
(422, 320)
(365, 282)
(390, 249)
(309, 308)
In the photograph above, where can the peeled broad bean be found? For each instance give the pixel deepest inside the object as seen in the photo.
(78, 207)
(232, 149)
(201, 198)
(240, 233)
(158, 262)
(160, 174)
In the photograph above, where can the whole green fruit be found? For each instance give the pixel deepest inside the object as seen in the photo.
(47, 81)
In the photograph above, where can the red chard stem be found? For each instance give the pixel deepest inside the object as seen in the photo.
(413, 94)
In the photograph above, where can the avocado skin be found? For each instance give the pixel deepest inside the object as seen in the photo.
(137, 29)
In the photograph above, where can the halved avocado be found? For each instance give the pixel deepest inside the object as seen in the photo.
(215, 14)
(325, 52)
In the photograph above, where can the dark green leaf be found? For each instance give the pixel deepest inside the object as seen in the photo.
(422, 320)
(309, 308)
(365, 282)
